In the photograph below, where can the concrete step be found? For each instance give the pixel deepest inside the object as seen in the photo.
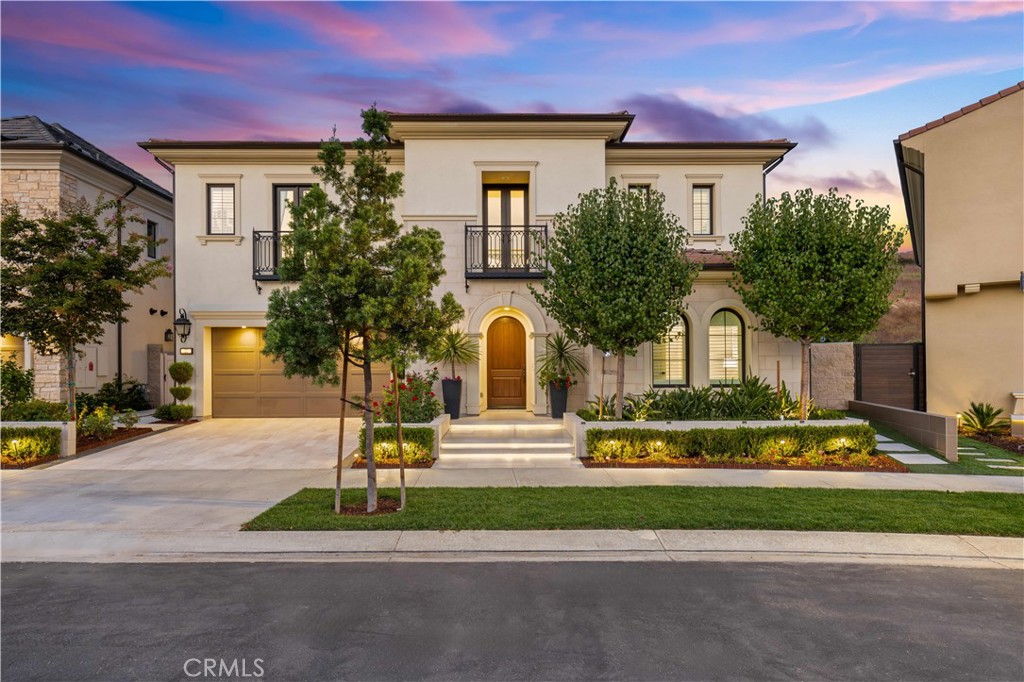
(507, 462)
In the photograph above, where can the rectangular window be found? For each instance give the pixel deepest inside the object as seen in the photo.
(151, 239)
(220, 209)
(702, 209)
(669, 359)
(640, 188)
(284, 197)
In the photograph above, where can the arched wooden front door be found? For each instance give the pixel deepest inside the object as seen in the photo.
(506, 364)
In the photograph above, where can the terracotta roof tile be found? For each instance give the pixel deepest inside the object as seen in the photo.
(1005, 92)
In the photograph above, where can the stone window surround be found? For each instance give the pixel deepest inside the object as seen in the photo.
(234, 179)
(716, 237)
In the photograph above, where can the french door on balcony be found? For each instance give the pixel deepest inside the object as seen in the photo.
(284, 197)
(505, 207)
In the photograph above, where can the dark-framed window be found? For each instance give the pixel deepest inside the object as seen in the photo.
(670, 359)
(642, 188)
(220, 209)
(703, 209)
(727, 359)
(283, 196)
(505, 206)
(151, 238)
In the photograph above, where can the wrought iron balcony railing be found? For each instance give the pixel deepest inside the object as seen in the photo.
(266, 254)
(506, 251)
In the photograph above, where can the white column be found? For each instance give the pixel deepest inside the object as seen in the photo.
(473, 377)
(1017, 418)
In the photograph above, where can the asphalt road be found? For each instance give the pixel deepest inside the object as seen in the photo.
(503, 621)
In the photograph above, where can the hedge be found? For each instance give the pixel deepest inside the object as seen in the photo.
(417, 444)
(34, 442)
(853, 443)
(36, 411)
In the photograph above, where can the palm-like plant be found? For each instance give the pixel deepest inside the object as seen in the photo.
(983, 419)
(455, 348)
(562, 360)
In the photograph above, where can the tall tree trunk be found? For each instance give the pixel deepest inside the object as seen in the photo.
(398, 438)
(600, 404)
(805, 376)
(341, 428)
(371, 466)
(69, 357)
(620, 385)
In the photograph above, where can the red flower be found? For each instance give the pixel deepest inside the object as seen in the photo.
(431, 394)
(403, 387)
(375, 403)
(415, 397)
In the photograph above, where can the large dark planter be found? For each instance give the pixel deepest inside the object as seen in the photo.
(559, 398)
(451, 390)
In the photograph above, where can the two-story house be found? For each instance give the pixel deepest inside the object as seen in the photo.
(43, 164)
(491, 184)
(963, 185)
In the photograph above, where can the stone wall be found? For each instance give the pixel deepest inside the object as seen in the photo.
(51, 377)
(33, 190)
(832, 375)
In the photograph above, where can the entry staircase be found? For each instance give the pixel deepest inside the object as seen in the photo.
(477, 443)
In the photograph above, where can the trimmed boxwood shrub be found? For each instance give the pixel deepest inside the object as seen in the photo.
(175, 413)
(417, 444)
(36, 411)
(33, 442)
(853, 443)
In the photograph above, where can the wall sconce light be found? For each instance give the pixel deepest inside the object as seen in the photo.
(182, 325)
(163, 313)
(169, 336)
(152, 311)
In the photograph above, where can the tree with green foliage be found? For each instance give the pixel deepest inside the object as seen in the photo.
(64, 277)
(617, 273)
(365, 286)
(815, 267)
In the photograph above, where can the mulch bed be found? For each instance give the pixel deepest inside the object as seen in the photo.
(173, 421)
(384, 506)
(28, 464)
(1014, 444)
(83, 443)
(360, 463)
(885, 464)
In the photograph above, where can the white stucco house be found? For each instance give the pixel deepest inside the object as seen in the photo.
(491, 184)
(42, 164)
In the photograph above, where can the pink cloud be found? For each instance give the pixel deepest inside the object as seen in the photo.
(409, 32)
(109, 30)
(875, 181)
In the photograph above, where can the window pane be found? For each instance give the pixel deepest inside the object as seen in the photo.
(638, 188)
(702, 209)
(285, 197)
(493, 199)
(669, 359)
(725, 348)
(151, 237)
(222, 209)
(517, 209)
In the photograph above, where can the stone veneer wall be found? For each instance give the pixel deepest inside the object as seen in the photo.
(51, 377)
(33, 190)
(832, 375)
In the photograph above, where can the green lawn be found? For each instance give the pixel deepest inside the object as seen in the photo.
(661, 507)
(966, 465)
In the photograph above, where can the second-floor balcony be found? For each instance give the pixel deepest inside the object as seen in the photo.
(266, 255)
(506, 251)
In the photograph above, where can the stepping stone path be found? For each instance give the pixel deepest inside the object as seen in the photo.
(906, 454)
(994, 459)
(1003, 466)
(895, 447)
(989, 461)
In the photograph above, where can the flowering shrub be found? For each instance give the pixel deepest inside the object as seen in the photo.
(98, 423)
(416, 396)
(561, 382)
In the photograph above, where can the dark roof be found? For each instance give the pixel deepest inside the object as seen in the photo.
(965, 110)
(30, 132)
(513, 116)
(156, 143)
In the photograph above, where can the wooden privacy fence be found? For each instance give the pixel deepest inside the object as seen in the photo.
(890, 374)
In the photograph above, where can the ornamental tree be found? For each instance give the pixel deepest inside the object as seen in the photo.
(363, 283)
(64, 277)
(617, 273)
(815, 267)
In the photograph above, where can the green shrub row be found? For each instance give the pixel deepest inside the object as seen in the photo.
(130, 393)
(417, 444)
(855, 442)
(25, 443)
(173, 413)
(36, 411)
(752, 399)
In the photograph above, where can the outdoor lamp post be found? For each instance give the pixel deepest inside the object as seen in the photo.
(182, 325)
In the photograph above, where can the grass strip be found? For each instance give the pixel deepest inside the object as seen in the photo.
(661, 507)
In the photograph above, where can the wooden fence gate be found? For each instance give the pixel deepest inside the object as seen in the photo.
(890, 374)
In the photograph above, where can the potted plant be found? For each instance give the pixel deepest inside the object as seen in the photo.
(454, 348)
(559, 364)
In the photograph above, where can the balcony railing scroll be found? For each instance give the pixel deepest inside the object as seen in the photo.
(506, 251)
(266, 254)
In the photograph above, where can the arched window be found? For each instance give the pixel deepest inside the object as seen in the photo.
(726, 349)
(670, 364)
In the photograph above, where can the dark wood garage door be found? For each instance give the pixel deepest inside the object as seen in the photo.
(247, 383)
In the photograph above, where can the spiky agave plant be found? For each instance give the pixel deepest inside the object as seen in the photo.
(983, 419)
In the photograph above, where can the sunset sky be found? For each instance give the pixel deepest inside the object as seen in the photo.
(842, 79)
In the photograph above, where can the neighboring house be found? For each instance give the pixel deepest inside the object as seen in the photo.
(491, 184)
(45, 163)
(962, 178)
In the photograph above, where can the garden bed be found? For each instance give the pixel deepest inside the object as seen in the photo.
(27, 463)
(360, 463)
(84, 443)
(1014, 444)
(880, 463)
